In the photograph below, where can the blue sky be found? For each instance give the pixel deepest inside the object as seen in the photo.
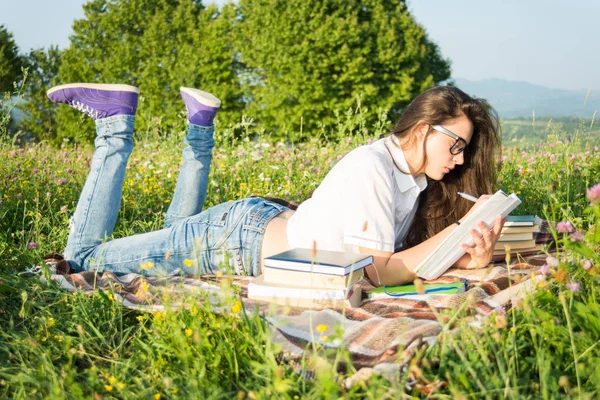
(547, 42)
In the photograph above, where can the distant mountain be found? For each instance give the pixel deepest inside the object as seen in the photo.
(513, 99)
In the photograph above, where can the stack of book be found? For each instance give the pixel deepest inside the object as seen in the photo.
(311, 279)
(518, 234)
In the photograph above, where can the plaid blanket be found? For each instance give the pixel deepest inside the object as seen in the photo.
(373, 333)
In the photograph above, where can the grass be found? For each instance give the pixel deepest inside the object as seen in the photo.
(60, 345)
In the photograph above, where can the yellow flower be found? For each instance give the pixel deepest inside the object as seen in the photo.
(144, 287)
(147, 265)
(141, 318)
(159, 316)
(108, 388)
(321, 328)
(120, 385)
(219, 273)
(324, 338)
(51, 322)
(112, 380)
(157, 396)
(188, 262)
(194, 311)
(188, 332)
(236, 307)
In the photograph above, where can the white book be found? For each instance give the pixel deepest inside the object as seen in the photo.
(450, 250)
(259, 289)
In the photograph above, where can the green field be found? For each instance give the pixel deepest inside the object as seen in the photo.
(60, 345)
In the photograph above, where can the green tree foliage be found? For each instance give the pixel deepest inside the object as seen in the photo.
(278, 61)
(10, 61)
(157, 45)
(39, 111)
(305, 58)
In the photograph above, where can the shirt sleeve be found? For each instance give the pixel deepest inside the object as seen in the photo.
(368, 205)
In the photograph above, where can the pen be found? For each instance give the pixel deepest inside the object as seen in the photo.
(469, 197)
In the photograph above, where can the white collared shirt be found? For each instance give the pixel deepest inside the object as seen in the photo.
(365, 200)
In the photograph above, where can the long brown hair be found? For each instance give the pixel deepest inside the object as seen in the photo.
(439, 204)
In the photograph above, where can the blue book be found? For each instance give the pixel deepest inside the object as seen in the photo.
(521, 220)
(319, 261)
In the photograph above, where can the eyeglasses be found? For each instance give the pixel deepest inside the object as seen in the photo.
(458, 146)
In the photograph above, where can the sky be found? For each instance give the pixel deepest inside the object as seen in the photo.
(546, 42)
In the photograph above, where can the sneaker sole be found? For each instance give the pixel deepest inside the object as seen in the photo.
(97, 86)
(203, 97)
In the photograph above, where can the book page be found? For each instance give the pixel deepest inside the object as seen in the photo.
(449, 251)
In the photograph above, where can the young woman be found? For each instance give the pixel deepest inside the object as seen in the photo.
(395, 199)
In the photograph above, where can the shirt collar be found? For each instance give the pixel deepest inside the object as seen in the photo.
(404, 181)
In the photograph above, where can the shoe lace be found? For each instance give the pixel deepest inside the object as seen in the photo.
(84, 108)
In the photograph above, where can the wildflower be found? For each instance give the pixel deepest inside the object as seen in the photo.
(545, 269)
(516, 302)
(551, 261)
(236, 307)
(560, 275)
(188, 262)
(587, 264)
(564, 227)
(32, 245)
(157, 396)
(108, 388)
(321, 328)
(323, 338)
(593, 194)
(573, 286)
(188, 332)
(63, 208)
(577, 237)
(48, 194)
(148, 265)
(50, 322)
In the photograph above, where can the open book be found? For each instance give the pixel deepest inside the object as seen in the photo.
(450, 250)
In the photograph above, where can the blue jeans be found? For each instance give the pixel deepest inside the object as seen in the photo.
(227, 237)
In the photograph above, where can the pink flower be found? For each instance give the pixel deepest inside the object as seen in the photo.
(545, 269)
(551, 261)
(587, 264)
(32, 245)
(564, 227)
(593, 194)
(577, 237)
(573, 286)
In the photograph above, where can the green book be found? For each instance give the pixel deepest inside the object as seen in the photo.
(411, 290)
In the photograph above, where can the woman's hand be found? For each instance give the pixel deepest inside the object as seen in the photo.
(482, 250)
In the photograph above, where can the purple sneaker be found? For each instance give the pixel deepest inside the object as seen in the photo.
(97, 100)
(201, 106)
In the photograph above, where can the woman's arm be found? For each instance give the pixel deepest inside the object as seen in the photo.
(397, 268)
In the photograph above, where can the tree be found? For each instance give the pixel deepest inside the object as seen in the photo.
(10, 60)
(157, 45)
(305, 58)
(40, 112)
